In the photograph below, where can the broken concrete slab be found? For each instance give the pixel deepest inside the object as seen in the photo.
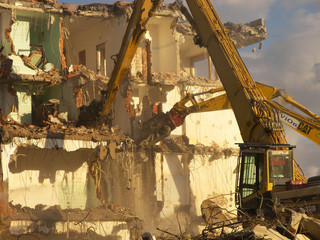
(242, 35)
(295, 220)
(311, 227)
(302, 237)
(262, 232)
(10, 130)
(172, 79)
(33, 6)
(214, 211)
(247, 34)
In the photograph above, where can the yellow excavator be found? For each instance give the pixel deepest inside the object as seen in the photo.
(266, 159)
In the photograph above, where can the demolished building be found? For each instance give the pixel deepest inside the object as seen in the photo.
(61, 166)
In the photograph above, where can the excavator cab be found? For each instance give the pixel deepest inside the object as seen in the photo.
(263, 168)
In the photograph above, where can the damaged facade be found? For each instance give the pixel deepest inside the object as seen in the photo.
(64, 172)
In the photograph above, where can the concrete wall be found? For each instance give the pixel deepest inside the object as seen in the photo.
(189, 51)
(69, 102)
(184, 181)
(89, 88)
(47, 33)
(165, 53)
(54, 169)
(129, 181)
(215, 128)
(20, 34)
(4, 24)
(25, 106)
(7, 99)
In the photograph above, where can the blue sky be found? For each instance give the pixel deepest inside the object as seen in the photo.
(289, 58)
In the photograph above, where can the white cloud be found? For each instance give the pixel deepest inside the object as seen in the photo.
(293, 62)
(298, 3)
(306, 155)
(242, 11)
(239, 11)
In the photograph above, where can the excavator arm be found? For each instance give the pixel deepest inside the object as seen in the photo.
(160, 126)
(142, 11)
(251, 108)
(307, 125)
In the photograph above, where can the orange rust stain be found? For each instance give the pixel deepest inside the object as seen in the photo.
(78, 93)
(77, 69)
(130, 106)
(93, 173)
(63, 58)
(8, 37)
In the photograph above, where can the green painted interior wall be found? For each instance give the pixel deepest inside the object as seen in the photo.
(92, 200)
(44, 30)
(24, 104)
(52, 92)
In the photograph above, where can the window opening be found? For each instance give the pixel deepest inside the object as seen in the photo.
(202, 66)
(249, 175)
(82, 57)
(252, 175)
(101, 59)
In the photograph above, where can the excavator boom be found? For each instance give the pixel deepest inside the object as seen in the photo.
(142, 11)
(246, 99)
(307, 125)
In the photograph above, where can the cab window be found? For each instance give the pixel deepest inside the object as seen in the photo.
(251, 174)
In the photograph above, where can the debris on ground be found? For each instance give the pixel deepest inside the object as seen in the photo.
(44, 220)
(288, 224)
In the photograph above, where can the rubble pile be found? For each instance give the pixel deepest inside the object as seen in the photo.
(224, 224)
(250, 33)
(174, 79)
(43, 220)
(242, 35)
(287, 224)
(106, 10)
(9, 130)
